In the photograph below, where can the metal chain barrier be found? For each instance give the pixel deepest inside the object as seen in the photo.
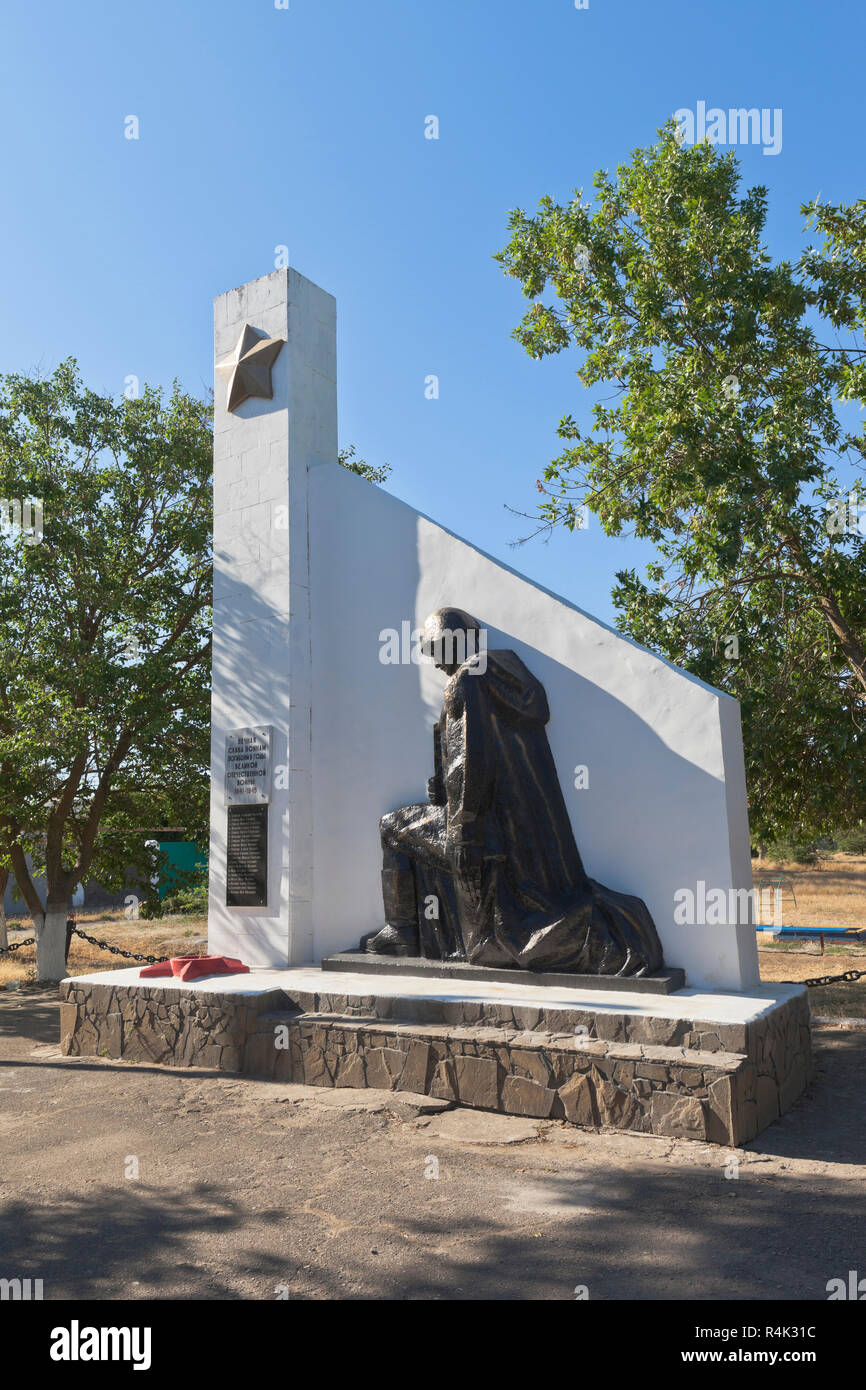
(849, 976)
(118, 950)
(103, 946)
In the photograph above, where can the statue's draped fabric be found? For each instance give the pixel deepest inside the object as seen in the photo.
(495, 794)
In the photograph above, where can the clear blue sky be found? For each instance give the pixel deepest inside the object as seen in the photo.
(305, 127)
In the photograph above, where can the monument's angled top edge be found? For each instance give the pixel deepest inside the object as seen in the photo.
(575, 608)
(288, 271)
(551, 593)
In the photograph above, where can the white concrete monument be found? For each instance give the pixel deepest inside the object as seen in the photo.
(320, 578)
(322, 723)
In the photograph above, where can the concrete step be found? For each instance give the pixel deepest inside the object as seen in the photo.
(673, 1026)
(588, 1081)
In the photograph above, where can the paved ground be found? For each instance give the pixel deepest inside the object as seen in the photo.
(246, 1186)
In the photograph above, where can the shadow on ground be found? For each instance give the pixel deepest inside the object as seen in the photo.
(829, 1124)
(639, 1234)
(29, 1015)
(248, 1192)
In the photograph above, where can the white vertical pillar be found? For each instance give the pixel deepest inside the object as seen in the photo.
(263, 453)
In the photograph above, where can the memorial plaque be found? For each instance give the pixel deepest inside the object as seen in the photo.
(248, 766)
(247, 856)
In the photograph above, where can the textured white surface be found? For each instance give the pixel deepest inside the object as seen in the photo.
(711, 1007)
(263, 454)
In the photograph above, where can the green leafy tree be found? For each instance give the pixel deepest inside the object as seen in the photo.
(104, 635)
(720, 381)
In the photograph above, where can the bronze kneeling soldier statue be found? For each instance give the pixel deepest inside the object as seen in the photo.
(488, 870)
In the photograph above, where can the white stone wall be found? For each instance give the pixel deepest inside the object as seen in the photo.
(263, 454)
(666, 802)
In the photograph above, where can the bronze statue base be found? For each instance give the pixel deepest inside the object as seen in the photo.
(665, 981)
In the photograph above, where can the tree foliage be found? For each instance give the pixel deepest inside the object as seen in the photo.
(104, 633)
(347, 458)
(720, 382)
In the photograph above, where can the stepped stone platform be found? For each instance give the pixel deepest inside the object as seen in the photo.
(700, 1065)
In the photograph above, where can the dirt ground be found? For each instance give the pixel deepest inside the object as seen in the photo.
(130, 1182)
(120, 1181)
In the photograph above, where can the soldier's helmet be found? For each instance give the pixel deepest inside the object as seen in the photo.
(450, 636)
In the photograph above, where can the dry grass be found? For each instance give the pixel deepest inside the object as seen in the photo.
(829, 894)
(804, 961)
(168, 936)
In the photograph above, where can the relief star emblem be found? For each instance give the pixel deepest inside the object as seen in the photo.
(247, 369)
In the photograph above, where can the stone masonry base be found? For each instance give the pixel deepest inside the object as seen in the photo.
(719, 1082)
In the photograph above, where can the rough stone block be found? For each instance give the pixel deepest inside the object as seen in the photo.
(689, 1077)
(288, 1065)
(523, 1096)
(794, 1083)
(416, 1072)
(721, 1112)
(151, 1042)
(612, 1027)
(477, 1082)
(578, 1101)
(678, 1116)
(525, 1017)
(530, 1064)
(616, 1107)
(351, 1070)
(316, 1071)
(733, 1036)
(660, 1032)
(111, 1036)
(767, 1093)
(444, 1083)
(68, 1026)
(384, 1066)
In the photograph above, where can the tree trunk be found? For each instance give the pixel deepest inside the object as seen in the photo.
(846, 634)
(4, 935)
(51, 943)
